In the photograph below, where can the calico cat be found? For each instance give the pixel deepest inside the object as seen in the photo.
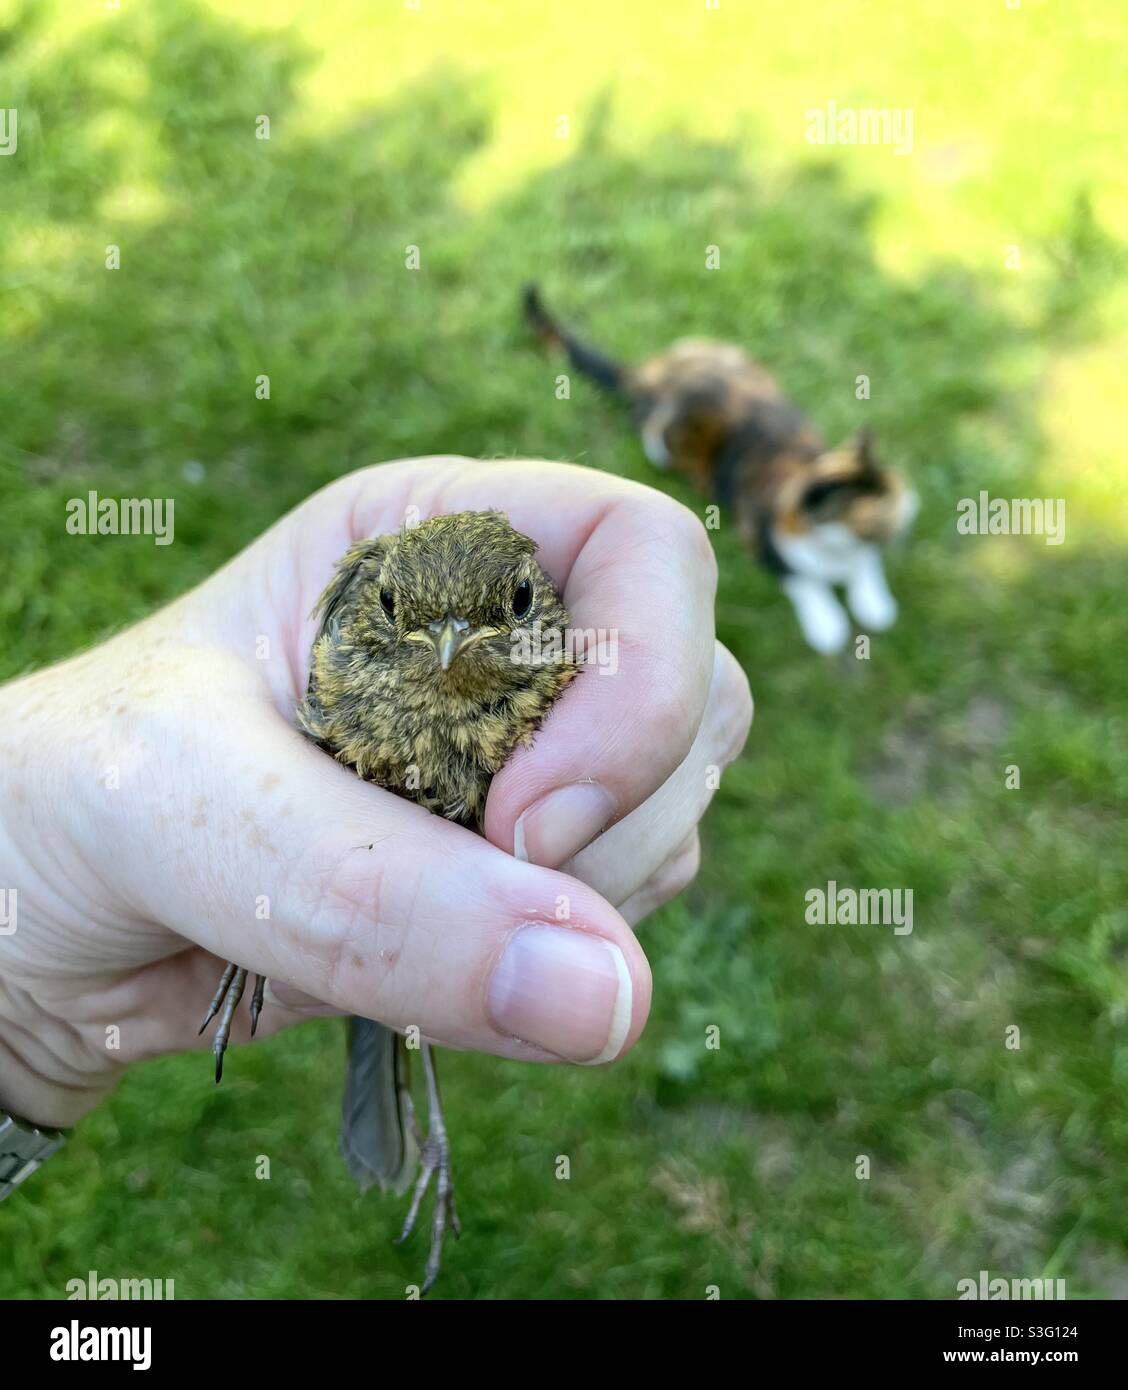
(815, 516)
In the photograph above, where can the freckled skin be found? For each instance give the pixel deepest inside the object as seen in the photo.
(379, 699)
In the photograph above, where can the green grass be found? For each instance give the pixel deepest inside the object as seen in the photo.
(690, 1167)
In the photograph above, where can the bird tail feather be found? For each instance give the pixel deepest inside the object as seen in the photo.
(609, 374)
(377, 1141)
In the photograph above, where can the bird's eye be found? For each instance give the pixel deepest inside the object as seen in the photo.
(522, 598)
(387, 602)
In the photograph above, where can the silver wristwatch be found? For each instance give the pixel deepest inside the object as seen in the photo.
(23, 1148)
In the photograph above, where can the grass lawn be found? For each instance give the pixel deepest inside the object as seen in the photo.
(976, 280)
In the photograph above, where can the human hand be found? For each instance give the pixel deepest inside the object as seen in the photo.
(160, 814)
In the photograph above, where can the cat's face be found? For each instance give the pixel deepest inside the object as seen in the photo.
(848, 487)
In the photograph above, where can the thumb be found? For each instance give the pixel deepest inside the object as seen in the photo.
(298, 870)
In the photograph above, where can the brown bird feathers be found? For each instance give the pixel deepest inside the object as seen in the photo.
(418, 677)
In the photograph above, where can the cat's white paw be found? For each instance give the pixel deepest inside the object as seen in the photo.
(654, 447)
(654, 435)
(873, 606)
(828, 633)
(874, 609)
(822, 618)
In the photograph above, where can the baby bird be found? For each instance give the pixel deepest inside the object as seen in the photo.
(438, 651)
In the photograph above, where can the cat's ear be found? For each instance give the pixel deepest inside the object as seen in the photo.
(864, 451)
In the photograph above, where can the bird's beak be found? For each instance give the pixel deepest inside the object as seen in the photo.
(448, 636)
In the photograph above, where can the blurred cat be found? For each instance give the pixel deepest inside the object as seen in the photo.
(815, 516)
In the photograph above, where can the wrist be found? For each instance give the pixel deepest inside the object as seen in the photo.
(25, 1094)
(46, 1072)
(50, 1074)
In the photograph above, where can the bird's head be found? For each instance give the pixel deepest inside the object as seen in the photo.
(448, 602)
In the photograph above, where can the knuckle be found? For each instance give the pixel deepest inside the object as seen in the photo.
(689, 535)
(672, 878)
(671, 719)
(679, 871)
(731, 705)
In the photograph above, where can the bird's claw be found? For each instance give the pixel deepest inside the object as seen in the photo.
(434, 1159)
(229, 992)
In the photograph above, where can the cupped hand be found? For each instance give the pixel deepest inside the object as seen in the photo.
(160, 815)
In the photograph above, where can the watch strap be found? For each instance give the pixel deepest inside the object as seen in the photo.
(23, 1148)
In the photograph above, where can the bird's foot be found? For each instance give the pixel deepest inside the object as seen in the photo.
(232, 983)
(434, 1161)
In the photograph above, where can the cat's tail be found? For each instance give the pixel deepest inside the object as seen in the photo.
(611, 375)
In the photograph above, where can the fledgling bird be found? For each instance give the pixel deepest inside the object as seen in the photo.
(438, 651)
